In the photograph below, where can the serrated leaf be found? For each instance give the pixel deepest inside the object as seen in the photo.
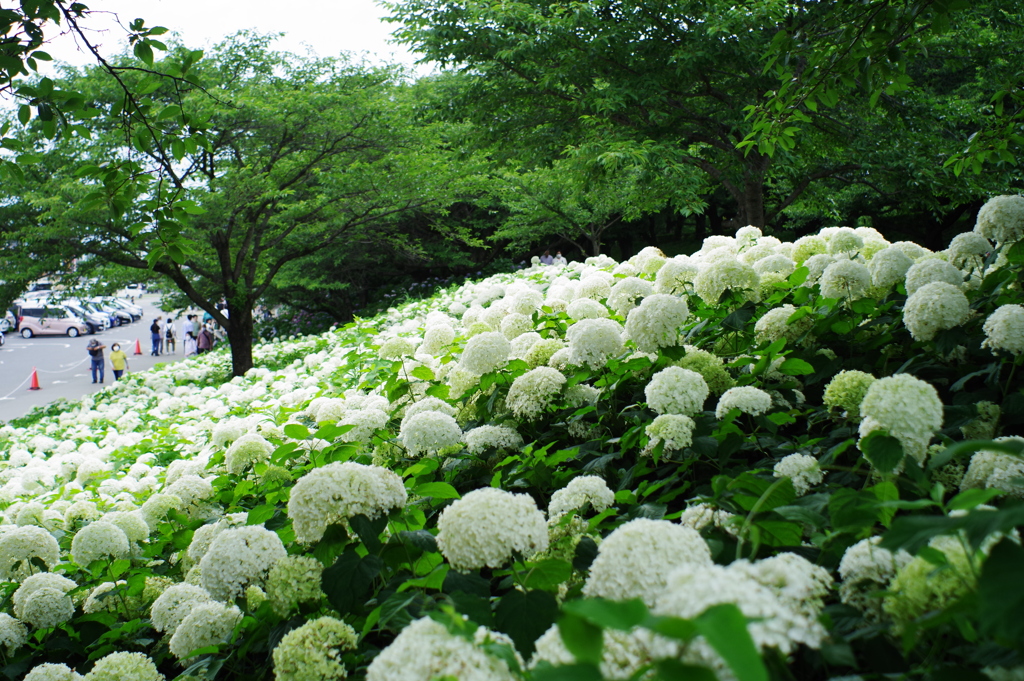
(883, 451)
(725, 628)
(423, 373)
(582, 638)
(436, 490)
(548, 574)
(796, 367)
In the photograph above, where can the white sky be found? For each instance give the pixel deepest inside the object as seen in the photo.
(327, 27)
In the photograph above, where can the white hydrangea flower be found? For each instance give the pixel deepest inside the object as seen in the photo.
(312, 651)
(776, 264)
(996, 470)
(906, 407)
(674, 430)
(49, 671)
(635, 560)
(802, 469)
(746, 398)
(42, 600)
(131, 523)
(485, 352)
(192, 490)
(19, 546)
(532, 392)
(13, 634)
(623, 654)
(522, 343)
(775, 324)
(846, 391)
(247, 450)
(122, 666)
(428, 432)
(1001, 219)
(436, 339)
(172, 606)
(845, 279)
(425, 651)
(889, 267)
(935, 307)
(656, 321)
(967, 250)
(586, 308)
(728, 273)
(595, 287)
(1004, 329)
(237, 558)
(701, 515)
(366, 422)
(99, 540)
(203, 536)
(676, 391)
(338, 491)
(207, 624)
(865, 569)
(581, 490)
(844, 240)
(592, 342)
(482, 438)
(624, 294)
(487, 525)
(932, 270)
(294, 580)
(676, 276)
(396, 348)
(581, 394)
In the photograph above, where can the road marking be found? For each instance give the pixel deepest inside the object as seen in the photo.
(56, 382)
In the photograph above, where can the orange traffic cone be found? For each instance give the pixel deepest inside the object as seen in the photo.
(35, 380)
(138, 347)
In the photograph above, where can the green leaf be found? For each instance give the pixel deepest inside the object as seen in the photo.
(1000, 597)
(583, 639)
(525, 616)
(796, 367)
(423, 373)
(586, 552)
(260, 514)
(347, 582)
(972, 498)
(369, 530)
(296, 431)
(674, 670)
(569, 672)
(119, 567)
(436, 490)
(621, 615)
(144, 52)
(169, 111)
(24, 114)
(725, 628)
(548, 574)
(883, 451)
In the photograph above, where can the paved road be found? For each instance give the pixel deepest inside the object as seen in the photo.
(63, 363)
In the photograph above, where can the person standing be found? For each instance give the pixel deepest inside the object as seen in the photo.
(154, 335)
(204, 343)
(189, 344)
(546, 259)
(169, 337)
(559, 259)
(118, 361)
(96, 355)
(189, 326)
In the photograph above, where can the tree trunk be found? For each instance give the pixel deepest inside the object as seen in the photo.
(240, 337)
(750, 209)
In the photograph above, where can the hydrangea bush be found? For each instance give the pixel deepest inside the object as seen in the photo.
(764, 459)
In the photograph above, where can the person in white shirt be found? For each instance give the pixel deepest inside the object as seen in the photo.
(559, 259)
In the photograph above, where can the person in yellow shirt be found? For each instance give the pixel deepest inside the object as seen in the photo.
(118, 360)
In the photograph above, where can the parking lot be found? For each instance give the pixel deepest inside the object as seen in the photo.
(63, 363)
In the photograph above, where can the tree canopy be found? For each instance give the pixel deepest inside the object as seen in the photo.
(298, 154)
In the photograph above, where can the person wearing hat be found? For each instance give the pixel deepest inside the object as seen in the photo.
(118, 361)
(95, 349)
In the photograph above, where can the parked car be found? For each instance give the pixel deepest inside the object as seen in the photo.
(123, 315)
(96, 321)
(38, 321)
(112, 319)
(134, 310)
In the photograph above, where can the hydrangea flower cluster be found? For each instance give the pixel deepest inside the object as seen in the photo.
(339, 491)
(802, 469)
(485, 527)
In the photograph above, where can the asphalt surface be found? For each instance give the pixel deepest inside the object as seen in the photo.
(63, 363)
